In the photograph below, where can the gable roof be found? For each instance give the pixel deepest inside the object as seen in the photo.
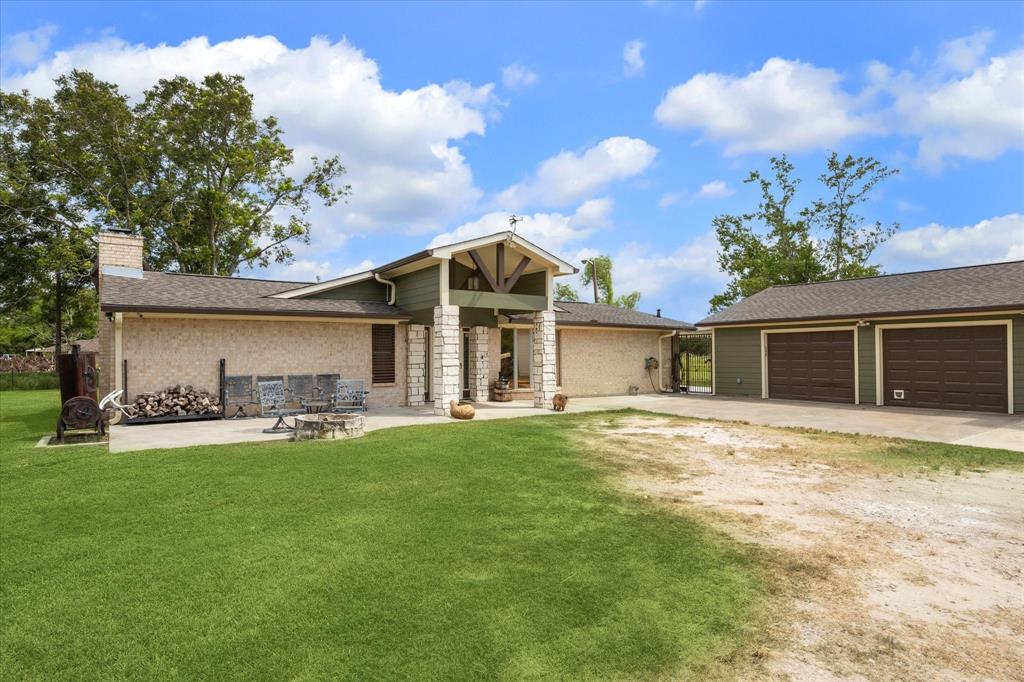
(580, 314)
(447, 251)
(976, 288)
(175, 292)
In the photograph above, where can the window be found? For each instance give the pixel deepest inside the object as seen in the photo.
(383, 353)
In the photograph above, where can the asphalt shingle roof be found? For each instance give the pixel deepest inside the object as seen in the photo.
(172, 292)
(975, 288)
(602, 315)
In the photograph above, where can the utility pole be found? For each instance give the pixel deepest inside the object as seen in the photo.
(593, 278)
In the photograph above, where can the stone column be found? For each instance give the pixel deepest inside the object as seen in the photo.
(543, 371)
(479, 363)
(445, 385)
(416, 364)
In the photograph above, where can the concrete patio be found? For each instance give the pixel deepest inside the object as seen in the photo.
(967, 428)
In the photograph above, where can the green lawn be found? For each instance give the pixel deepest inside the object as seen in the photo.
(483, 550)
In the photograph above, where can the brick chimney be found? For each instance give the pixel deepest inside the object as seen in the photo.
(119, 249)
(118, 252)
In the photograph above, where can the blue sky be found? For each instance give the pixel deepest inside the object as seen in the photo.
(614, 128)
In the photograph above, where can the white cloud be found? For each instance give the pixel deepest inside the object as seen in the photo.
(27, 47)
(978, 116)
(783, 106)
(633, 60)
(302, 270)
(517, 77)
(569, 177)
(361, 266)
(398, 146)
(640, 268)
(551, 231)
(996, 239)
(716, 189)
(669, 199)
(964, 54)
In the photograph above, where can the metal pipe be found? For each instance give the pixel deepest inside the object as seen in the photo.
(392, 290)
(661, 384)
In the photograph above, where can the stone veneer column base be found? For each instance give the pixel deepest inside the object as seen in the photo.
(445, 384)
(416, 364)
(543, 371)
(479, 363)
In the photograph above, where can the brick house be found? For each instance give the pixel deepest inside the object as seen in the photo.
(438, 325)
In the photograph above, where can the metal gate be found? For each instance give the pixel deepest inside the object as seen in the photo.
(693, 366)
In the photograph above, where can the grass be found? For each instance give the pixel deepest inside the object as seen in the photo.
(902, 454)
(483, 550)
(28, 381)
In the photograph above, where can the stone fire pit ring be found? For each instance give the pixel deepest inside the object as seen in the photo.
(313, 426)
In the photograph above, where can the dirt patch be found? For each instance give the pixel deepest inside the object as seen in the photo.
(878, 575)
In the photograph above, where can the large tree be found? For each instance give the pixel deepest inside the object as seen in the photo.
(846, 241)
(780, 244)
(220, 189)
(45, 238)
(769, 245)
(190, 167)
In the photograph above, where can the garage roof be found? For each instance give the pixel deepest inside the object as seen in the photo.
(977, 288)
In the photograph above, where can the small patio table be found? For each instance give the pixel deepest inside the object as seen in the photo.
(315, 406)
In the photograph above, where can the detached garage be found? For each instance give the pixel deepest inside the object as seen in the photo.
(941, 339)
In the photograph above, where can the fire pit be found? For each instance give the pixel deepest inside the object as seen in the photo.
(311, 426)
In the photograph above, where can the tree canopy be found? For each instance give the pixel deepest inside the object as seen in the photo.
(778, 244)
(211, 186)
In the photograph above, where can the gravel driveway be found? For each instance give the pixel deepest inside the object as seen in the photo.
(880, 574)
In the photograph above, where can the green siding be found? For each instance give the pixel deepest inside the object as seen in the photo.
(418, 290)
(490, 300)
(477, 317)
(738, 355)
(866, 358)
(367, 290)
(533, 284)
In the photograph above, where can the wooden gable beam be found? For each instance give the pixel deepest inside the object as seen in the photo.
(514, 277)
(479, 262)
(499, 283)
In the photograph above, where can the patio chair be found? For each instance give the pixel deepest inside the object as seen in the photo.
(350, 396)
(300, 387)
(237, 395)
(273, 403)
(327, 386)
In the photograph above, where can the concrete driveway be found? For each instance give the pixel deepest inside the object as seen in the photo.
(942, 426)
(967, 428)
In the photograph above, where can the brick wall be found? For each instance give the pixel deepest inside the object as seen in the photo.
(608, 362)
(162, 352)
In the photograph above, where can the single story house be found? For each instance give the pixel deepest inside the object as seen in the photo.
(949, 339)
(435, 326)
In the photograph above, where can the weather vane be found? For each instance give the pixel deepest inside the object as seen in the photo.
(512, 220)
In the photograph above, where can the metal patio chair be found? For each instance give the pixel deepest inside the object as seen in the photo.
(274, 403)
(350, 396)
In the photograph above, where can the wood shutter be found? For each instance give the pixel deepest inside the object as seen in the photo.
(383, 353)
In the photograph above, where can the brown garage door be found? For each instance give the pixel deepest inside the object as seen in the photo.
(953, 368)
(811, 366)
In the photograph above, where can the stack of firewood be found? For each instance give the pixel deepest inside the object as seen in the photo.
(179, 401)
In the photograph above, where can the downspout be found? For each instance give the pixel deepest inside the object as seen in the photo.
(661, 384)
(392, 293)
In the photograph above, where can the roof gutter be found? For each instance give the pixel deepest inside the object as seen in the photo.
(392, 289)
